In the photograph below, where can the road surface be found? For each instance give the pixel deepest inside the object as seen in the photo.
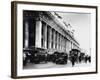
(53, 65)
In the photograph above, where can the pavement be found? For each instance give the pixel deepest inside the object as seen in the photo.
(53, 65)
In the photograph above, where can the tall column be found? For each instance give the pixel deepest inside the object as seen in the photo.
(63, 44)
(60, 42)
(54, 39)
(26, 34)
(50, 32)
(57, 41)
(72, 45)
(45, 35)
(38, 33)
(66, 44)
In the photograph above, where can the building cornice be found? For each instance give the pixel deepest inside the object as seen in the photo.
(61, 25)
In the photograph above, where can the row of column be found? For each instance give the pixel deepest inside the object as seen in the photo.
(37, 34)
(47, 37)
(51, 39)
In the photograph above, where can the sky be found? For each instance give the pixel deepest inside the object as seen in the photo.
(81, 23)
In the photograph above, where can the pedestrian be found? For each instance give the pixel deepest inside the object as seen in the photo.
(80, 59)
(86, 58)
(89, 58)
(73, 60)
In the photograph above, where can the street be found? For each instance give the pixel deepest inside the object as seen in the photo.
(53, 65)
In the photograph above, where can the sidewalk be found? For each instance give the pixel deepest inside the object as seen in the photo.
(53, 65)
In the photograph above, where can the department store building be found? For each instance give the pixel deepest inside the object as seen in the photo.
(47, 30)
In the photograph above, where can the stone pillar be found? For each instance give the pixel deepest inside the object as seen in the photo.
(57, 41)
(54, 39)
(26, 34)
(68, 43)
(38, 33)
(60, 42)
(72, 45)
(50, 33)
(66, 46)
(45, 35)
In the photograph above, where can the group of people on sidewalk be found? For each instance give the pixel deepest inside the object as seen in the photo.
(85, 59)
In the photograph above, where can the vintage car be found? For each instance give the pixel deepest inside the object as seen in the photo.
(34, 55)
(87, 58)
(26, 56)
(40, 57)
(81, 56)
(60, 58)
(74, 53)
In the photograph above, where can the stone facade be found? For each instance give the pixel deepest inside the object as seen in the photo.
(41, 29)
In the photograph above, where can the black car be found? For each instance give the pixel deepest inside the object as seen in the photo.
(74, 53)
(40, 57)
(34, 55)
(60, 58)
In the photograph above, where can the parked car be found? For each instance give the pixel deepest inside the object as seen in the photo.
(40, 57)
(60, 58)
(74, 53)
(34, 55)
(26, 57)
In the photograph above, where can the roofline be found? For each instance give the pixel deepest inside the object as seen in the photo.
(61, 26)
